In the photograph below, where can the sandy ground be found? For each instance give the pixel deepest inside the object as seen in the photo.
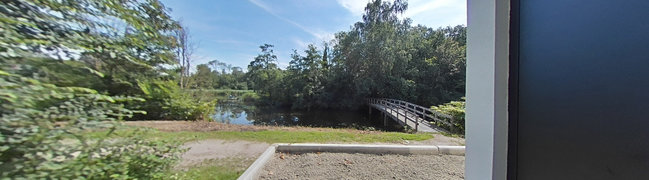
(440, 140)
(363, 166)
(200, 151)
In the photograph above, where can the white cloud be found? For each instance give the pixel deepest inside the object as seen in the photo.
(300, 44)
(262, 5)
(319, 34)
(417, 7)
(356, 7)
(437, 13)
(432, 13)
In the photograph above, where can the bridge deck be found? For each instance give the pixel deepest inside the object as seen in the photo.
(392, 112)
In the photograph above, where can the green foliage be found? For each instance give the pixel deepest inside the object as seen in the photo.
(265, 77)
(128, 158)
(62, 73)
(306, 76)
(381, 56)
(456, 110)
(117, 36)
(42, 129)
(165, 100)
(218, 75)
(68, 67)
(226, 168)
(109, 46)
(211, 95)
(249, 97)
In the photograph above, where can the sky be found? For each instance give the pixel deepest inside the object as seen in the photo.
(231, 31)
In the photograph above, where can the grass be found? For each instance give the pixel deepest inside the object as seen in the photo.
(276, 136)
(452, 135)
(231, 168)
(303, 136)
(226, 168)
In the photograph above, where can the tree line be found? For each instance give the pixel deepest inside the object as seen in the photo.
(381, 56)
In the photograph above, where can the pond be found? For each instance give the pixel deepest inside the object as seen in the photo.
(236, 112)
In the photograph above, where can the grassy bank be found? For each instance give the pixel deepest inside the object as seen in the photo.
(278, 136)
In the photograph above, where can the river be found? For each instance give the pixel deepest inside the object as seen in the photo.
(236, 112)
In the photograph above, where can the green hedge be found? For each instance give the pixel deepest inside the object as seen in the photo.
(456, 109)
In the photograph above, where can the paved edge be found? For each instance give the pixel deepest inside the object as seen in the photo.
(253, 171)
(452, 150)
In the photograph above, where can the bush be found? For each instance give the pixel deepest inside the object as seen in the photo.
(42, 128)
(123, 158)
(250, 97)
(456, 110)
(165, 100)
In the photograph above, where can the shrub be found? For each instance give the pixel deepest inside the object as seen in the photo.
(250, 97)
(165, 100)
(42, 129)
(456, 110)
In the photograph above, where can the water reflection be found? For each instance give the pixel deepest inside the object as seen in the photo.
(231, 112)
(235, 112)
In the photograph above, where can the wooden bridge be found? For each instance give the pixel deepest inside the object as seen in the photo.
(408, 114)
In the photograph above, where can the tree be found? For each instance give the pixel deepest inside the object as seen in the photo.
(184, 53)
(264, 75)
(204, 77)
(383, 55)
(52, 54)
(306, 76)
(219, 75)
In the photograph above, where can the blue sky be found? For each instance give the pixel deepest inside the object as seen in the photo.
(232, 30)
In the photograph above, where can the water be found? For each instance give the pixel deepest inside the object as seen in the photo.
(235, 112)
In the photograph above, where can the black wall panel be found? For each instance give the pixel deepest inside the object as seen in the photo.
(583, 89)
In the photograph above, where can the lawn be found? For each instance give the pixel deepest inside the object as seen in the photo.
(226, 168)
(231, 168)
(278, 136)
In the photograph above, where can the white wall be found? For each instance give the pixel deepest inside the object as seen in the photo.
(486, 90)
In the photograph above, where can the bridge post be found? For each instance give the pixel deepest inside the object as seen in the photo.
(405, 116)
(385, 122)
(398, 116)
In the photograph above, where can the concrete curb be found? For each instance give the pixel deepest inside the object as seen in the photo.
(371, 149)
(253, 171)
(452, 150)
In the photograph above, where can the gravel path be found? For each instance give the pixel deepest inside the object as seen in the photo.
(363, 166)
(200, 151)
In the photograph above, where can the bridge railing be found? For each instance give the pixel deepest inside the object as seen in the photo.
(397, 110)
(422, 112)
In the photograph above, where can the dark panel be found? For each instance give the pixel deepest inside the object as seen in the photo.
(583, 97)
(512, 140)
